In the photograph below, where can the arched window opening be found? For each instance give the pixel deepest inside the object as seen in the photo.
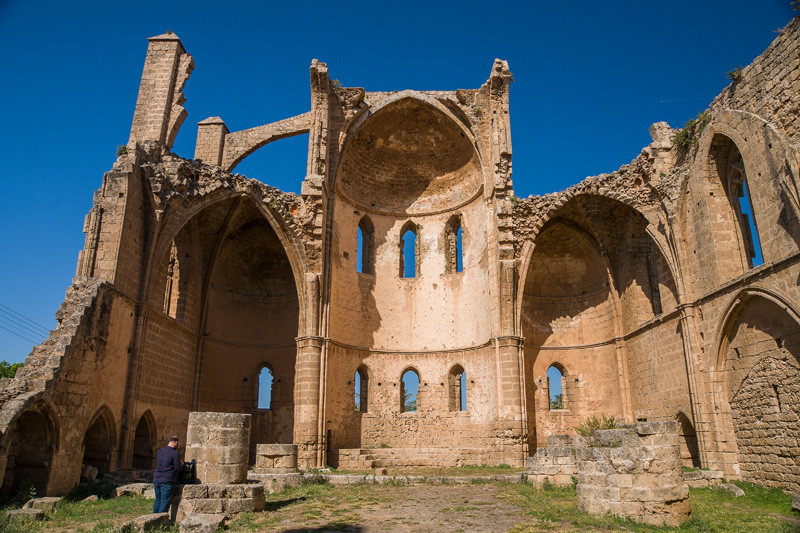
(652, 270)
(361, 389)
(453, 239)
(727, 160)
(30, 453)
(555, 384)
(457, 385)
(409, 387)
(176, 286)
(143, 444)
(409, 251)
(365, 253)
(459, 250)
(265, 388)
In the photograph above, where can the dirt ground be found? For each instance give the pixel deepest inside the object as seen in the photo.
(373, 508)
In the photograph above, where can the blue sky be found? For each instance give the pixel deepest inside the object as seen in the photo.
(590, 78)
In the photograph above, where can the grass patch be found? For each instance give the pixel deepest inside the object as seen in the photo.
(97, 517)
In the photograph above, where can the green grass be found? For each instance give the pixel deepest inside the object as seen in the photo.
(327, 507)
(96, 517)
(713, 510)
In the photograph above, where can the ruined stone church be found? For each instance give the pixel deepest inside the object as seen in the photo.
(667, 290)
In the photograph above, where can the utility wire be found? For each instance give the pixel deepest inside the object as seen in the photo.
(16, 323)
(26, 319)
(20, 336)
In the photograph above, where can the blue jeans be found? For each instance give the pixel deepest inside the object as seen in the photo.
(163, 496)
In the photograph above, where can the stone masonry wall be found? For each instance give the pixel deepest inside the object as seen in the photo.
(636, 474)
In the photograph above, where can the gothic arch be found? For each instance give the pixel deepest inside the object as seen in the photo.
(735, 307)
(144, 442)
(174, 220)
(100, 441)
(458, 167)
(554, 212)
(770, 163)
(31, 442)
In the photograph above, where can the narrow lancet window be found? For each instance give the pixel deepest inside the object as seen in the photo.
(409, 387)
(361, 389)
(409, 251)
(453, 245)
(365, 255)
(555, 383)
(265, 389)
(457, 382)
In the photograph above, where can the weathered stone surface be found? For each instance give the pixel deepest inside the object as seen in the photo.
(731, 489)
(45, 504)
(24, 515)
(91, 498)
(219, 442)
(796, 502)
(637, 474)
(140, 489)
(276, 458)
(148, 522)
(201, 523)
(639, 286)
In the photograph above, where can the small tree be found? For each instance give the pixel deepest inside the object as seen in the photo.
(8, 370)
(557, 402)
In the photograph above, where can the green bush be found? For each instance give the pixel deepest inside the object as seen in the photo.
(735, 74)
(8, 370)
(592, 424)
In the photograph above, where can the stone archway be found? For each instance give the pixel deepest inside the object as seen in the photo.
(144, 443)
(98, 442)
(758, 376)
(34, 439)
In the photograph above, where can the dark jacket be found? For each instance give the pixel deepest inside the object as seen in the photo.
(168, 462)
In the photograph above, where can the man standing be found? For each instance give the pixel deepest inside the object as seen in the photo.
(168, 463)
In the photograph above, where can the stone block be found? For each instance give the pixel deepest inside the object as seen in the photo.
(47, 505)
(148, 522)
(796, 501)
(201, 523)
(730, 488)
(24, 515)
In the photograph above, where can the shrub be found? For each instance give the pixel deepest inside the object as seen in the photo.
(592, 424)
(122, 150)
(735, 74)
(8, 370)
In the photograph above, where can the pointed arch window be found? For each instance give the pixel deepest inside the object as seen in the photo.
(365, 252)
(457, 385)
(409, 388)
(409, 251)
(453, 245)
(556, 386)
(265, 379)
(739, 193)
(726, 161)
(361, 389)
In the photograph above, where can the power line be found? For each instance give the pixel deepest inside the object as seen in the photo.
(15, 322)
(26, 319)
(18, 335)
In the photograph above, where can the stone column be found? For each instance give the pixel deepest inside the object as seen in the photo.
(220, 443)
(159, 112)
(306, 401)
(210, 144)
